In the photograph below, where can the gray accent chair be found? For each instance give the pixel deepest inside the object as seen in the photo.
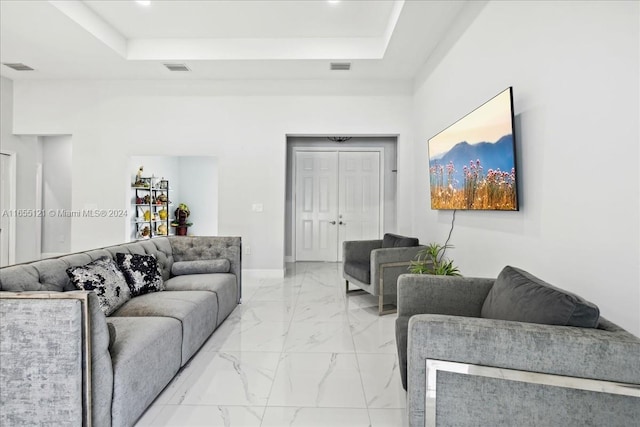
(506, 372)
(63, 362)
(374, 266)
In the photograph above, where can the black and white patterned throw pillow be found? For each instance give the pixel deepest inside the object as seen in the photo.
(141, 273)
(104, 278)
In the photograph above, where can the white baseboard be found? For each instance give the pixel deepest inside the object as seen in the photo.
(272, 273)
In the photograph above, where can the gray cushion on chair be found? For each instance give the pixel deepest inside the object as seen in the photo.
(520, 296)
(395, 241)
(359, 270)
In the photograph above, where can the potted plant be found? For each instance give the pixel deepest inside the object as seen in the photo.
(431, 260)
(180, 222)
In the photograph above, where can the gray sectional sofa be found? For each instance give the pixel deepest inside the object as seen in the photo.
(63, 362)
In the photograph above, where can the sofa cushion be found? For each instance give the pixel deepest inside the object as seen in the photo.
(103, 277)
(222, 284)
(395, 241)
(141, 272)
(146, 354)
(197, 310)
(359, 270)
(519, 296)
(200, 267)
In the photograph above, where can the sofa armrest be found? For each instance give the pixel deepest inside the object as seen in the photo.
(429, 294)
(558, 350)
(359, 250)
(194, 248)
(389, 264)
(395, 255)
(453, 295)
(45, 358)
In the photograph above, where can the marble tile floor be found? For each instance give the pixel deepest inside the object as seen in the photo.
(297, 352)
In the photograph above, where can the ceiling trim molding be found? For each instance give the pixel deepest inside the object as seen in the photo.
(94, 24)
(393, 20)
(256, 49)
(319, 48)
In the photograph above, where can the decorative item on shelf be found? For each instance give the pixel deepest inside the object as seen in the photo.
(145, 232)
(180, 223)
(140, 181)
(431, 260)
(162, 230)
(139, 200)
(164, 184)
(163, 214)
(147, 215)
(146, 199)
(162, 198)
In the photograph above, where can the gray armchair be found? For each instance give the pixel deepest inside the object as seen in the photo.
(462, 369)
(374, 266)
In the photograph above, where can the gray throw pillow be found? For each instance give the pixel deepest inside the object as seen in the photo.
(141, 273)
(103, 277)
(519, 296)
(181, 268)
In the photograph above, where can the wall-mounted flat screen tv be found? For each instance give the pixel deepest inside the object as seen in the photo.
(472, 163)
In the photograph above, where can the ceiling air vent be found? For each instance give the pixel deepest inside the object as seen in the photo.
(18, 66)
(340, 66)
(177, 67)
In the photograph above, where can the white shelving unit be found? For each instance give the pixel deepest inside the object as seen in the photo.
(150, 200)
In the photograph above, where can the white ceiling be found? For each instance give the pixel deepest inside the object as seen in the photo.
(243, 19)
(262, 39)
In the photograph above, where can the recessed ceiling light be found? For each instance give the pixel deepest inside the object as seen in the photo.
(144, 2)
(333, 1)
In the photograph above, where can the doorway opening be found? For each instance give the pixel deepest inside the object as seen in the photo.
(7, 206)
(193, 180)
(337, 191)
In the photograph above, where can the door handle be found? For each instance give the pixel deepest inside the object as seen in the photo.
(332, 222)
(342, 223)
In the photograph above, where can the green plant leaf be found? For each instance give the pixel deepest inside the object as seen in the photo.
(431, 260)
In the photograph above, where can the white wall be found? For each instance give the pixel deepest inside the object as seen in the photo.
(243, 124)
(28, 156)
(56, 194)
(574, 69)
(198, 184)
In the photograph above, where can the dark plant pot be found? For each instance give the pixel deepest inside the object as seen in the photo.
(181, 230)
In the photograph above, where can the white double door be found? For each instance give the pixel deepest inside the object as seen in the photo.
(337, 198)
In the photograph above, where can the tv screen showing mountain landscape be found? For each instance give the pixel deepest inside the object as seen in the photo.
(472, 162)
